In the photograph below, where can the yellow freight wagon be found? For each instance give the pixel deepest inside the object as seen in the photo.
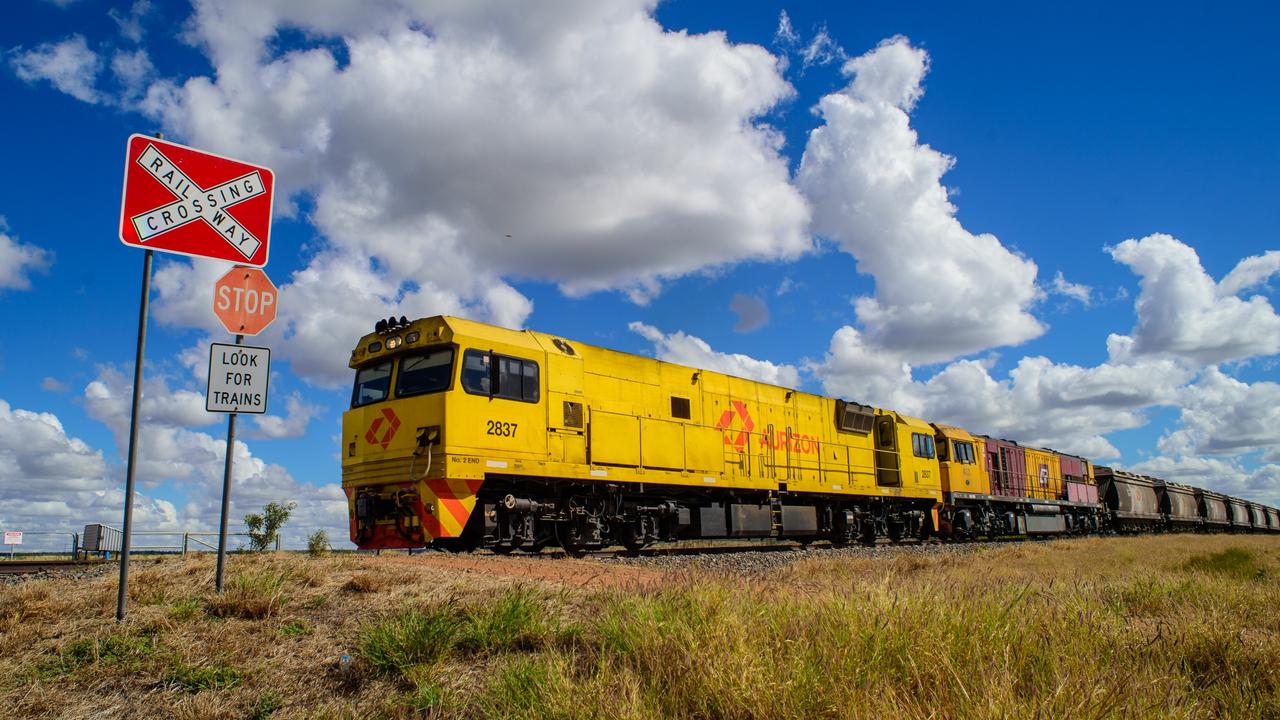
(462, 435)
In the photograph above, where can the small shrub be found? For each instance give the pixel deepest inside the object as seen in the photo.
(250, 595)
(318, 543)
(294, 628)
(264, 528)
(194, 678)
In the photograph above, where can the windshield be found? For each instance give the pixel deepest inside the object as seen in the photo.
(372, 384)
(425, 372)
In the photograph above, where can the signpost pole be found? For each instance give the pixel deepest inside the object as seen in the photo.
(122, 595)
(226, 491)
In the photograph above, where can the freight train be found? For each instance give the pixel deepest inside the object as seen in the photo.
(463, 435)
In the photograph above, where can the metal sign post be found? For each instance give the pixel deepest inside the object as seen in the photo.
(239, 376)
(122, 595)
(226, 493)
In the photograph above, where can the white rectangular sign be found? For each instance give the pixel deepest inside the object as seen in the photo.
(238, 376)
(12, 538)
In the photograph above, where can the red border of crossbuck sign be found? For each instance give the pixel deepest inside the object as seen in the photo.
(181, 200)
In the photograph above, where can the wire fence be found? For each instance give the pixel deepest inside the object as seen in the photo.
(104, 541)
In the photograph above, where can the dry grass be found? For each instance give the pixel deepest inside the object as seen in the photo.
(1153, 627)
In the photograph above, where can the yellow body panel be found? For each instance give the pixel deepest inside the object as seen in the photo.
(608, 416)
(1044, 474)
(918, 469)
(957, 475)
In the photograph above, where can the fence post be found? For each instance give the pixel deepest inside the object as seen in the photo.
(75, 547)
(185, 536)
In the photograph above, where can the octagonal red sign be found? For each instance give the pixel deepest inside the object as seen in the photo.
(181, 200)
(244, 300)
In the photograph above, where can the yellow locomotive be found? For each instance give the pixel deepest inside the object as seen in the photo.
(464, 435)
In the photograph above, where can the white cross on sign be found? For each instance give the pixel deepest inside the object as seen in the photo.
(197, 203)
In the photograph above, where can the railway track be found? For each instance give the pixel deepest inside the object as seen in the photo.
(686, 550)
(24, 567)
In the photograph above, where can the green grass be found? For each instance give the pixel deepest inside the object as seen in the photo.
(1183, 627)
(266, 706)
(294, 628)
(112, 650)
(188, 608)
(194, 678)
(1236, 562)
(394, 646)
(252, 595)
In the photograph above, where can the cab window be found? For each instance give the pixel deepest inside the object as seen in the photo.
(943, 443)
(373, 382)
(499, 376)
(922, 445)
(425, 372)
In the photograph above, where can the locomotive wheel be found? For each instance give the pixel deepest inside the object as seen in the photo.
(574, 551)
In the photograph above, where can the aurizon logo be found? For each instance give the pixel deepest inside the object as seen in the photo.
(739, 440)
(393, 424)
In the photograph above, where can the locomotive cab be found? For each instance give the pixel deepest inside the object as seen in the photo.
(431, 399)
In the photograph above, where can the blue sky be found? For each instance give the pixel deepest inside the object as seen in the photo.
(1028, 220)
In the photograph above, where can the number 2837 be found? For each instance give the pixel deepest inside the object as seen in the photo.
(501, 429)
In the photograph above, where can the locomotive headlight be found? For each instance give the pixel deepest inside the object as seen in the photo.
(412, 337)
(394, 342)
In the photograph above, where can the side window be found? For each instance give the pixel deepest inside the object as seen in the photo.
(529, 387)
(516, 379)
(943, 444)
(510, 379)
(475, 372)
(922, 445)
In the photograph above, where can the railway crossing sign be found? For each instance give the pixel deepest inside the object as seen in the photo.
(238, 377)
(245, 301)
(181, 200)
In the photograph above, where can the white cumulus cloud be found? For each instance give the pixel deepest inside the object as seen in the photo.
(170, 451)
(18, 260)
(694, 352)
(458, 145)
(1182, 312)
(942, 291)
(69, 65)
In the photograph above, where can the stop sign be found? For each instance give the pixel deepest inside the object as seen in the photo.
(245, 301)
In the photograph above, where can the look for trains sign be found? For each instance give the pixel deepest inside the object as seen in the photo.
(182, 200)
